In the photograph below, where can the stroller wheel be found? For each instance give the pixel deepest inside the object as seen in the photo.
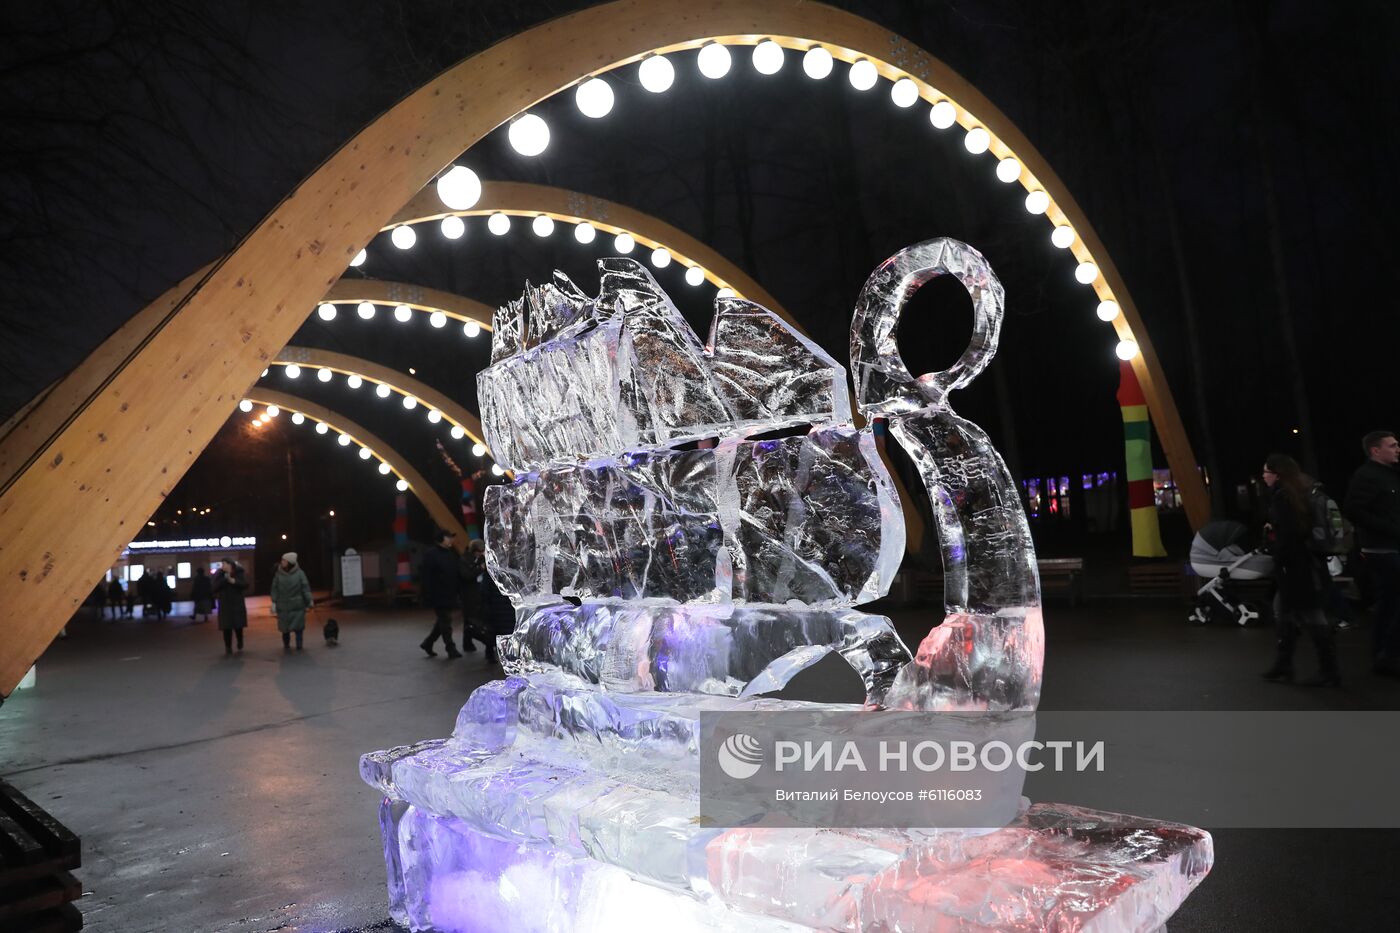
(1197, 617)
(1248, 613)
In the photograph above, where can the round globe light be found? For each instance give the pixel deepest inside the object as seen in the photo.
(458, 432)
(298, 417)
(322, 427)
(459, 188)
(624, 243)
(245, 405)
(498, 223)
(293, 371)
(434, 416)
(273, 411)
(403, 313)
(381, 390)
(1062, 237)
(817, 63)
(529, 135)
(585, 232)
(403, 236)
(1085, 273)
(360, 258)
(977, 140)
(656, 73)
(594, 98)
(264, 372)
(1126, 349)
(1037, 202)
(343, 440)
(323, 375)
(943, 114)
(384, 468)
(401, 485)
(694, 275)
(1008, 170)
(438, 319)
(1108, 310)
(661, 257)
(496, 470)
(478, 449)
(471, 328)
(713, 60)
(725, 292)
(365, 310)
(354, 381)
(905, 93)
(863, 75)
(410, 402)
(768, 57)
(365, 453)
(452, 227)
(542, 225)
(326, 311)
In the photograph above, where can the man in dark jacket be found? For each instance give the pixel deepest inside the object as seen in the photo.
(1373, 505)
(442, 590)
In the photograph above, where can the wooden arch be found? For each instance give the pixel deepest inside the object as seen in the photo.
(142, 411)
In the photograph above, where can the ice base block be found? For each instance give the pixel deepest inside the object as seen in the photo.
(556, 806)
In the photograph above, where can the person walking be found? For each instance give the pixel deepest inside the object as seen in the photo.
(1373, 505)
(229, 586)
(1300, 576)
(116, 597)
(497, 613)
(291, 598)
(202, 592)
(472, 566)
(161, 595)
(145, 588)
(442, 590)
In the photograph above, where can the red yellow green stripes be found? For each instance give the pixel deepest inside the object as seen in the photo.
(1137, 445)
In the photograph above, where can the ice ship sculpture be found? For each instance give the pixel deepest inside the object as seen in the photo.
(668, 559)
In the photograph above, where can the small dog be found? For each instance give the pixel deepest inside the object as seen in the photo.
(332, 632)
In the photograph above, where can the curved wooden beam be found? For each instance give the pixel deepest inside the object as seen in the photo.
(356, 290)
(400, 382)
(521, 199)
(398, 465)
(156, 404)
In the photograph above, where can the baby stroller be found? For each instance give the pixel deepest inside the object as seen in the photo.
(1218, 555)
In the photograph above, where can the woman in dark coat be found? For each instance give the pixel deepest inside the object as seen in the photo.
(229, 587)
(202, 592)
(1300, 576)
(497, 613)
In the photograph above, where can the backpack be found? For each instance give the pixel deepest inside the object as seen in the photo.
(1331, 533)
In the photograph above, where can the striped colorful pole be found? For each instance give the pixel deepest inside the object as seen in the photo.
(1137, 443)
(403, 576)
(469, 520)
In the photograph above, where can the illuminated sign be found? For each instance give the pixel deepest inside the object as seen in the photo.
(194, 544)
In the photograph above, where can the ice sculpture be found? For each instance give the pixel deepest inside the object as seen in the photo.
(698, 578)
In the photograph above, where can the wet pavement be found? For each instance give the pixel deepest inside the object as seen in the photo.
(217, 794)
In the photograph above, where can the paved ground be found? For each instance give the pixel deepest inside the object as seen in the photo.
(219, 794)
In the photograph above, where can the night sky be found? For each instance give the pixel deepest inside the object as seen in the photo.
(137, 145)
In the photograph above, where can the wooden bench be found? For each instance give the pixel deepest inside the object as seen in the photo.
(1165, 578)
(36, 855)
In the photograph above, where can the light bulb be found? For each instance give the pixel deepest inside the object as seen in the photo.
(264, 372)
(661, 257)
(458, 432)
(343, 440)
(498, 223)
(354, 381)
(273, 411)
(1085, 273)
(401, 485)
(542, 225)
(943, 115)
(656, 73)
(1062, 237)
(905, 93)
(245, 405)
(624, 243)
(365, 453)
(438, 319)
(529, 135)
(326, 312)
(381, 390)
(360, 258)
(584, 232)
(478, 449)
(384, 468)
(1126, 349)
(459, 188)
(594, 98)
(434, 416)
(365, 310)
(471, 328)
(292, 371)
(452, 227)
(1008, 170)
(1037, 201)
(323, 375)
(817, 62)
(863, 75)
(403, 236)
(725, 292)
(496, 470)
(694, 275)
(410, 402)
(977, 140)
(322, 427)
(713, 60)
(768, 57)
(403, 313)
(1108, 310)
(298, 417)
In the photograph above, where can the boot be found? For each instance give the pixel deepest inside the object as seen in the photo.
(298, 639)
(452, 651)
(427, 647)
(1328, 674)
(286, 641)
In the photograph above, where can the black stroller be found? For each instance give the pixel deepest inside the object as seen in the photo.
(1218, 555)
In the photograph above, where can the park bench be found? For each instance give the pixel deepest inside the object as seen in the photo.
(1166, 578)
(36, 855)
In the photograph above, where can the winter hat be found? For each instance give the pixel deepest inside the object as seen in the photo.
(290, 557)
